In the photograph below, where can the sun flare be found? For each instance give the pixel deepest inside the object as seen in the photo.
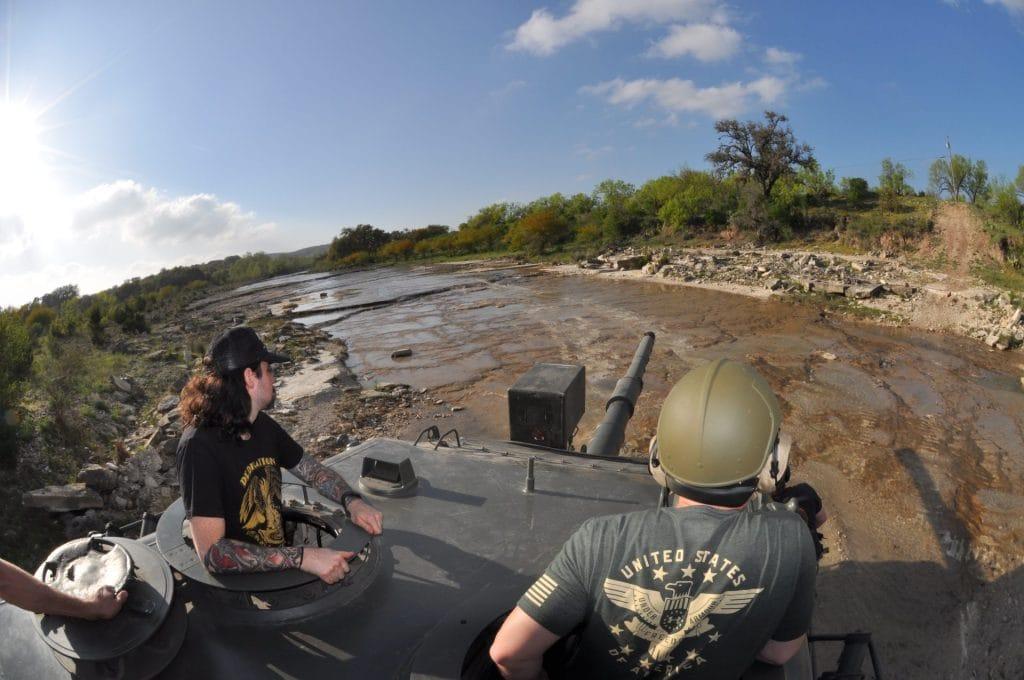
(28, 190)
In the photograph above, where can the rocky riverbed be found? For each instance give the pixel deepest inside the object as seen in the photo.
(913, 437)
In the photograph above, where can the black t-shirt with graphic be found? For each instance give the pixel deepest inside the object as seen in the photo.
(690, 592)
(239, 480)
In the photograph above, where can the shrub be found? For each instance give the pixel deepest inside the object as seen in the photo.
(589, 232)
(538, 231)
(401, 249)
(130, 316)
(355, 259)
(855, 189)
(39, 320)
(16, 366)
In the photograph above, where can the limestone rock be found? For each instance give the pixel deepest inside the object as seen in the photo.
(98, 477)
(864, 292)
(629, 262)
(168, 403)
(831, 288)
(67, 498)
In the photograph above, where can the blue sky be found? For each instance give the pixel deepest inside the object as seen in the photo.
(163, 133)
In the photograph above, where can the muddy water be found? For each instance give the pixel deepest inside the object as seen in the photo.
(914, 439)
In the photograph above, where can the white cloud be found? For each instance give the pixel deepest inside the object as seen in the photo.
(544, 33)
(676, 95)
(118, 230)
(780, 57)
(706, 42)
(1012, 6)
(144, 215)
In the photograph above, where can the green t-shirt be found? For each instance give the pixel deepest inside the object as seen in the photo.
(678, 592)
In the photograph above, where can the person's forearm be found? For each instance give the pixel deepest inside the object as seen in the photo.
(228, 556)
(23, 590)
(322, 478)
(523, 669)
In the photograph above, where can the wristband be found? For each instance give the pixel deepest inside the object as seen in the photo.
(302, 555)
(349, 496)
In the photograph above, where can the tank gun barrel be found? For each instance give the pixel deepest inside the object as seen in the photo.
(611, 433)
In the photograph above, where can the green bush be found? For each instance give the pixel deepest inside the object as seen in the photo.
(355, 259)
(539, 231)
(402, 249)
(855, 190)
(130, 316)
(39, 320)
(15, 367)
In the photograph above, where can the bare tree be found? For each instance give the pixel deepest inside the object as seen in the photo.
(765, 152)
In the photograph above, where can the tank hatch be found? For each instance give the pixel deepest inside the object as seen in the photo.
(274, 598)
(138, 643)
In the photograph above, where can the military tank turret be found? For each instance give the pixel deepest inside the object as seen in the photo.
(469, 526)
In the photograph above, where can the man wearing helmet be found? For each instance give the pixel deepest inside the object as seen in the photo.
(699, 589)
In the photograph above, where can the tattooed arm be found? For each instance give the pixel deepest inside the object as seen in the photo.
(322, 478)
(333, 486)
(222, 555)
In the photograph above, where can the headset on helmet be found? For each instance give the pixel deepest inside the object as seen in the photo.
(722, 420)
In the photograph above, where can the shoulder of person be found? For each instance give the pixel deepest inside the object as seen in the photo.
(265, 422)
(774, 512)
(618, 523)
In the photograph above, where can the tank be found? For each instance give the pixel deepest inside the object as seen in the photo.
(469, 526)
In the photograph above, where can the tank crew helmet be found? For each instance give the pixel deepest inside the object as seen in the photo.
(718, 435)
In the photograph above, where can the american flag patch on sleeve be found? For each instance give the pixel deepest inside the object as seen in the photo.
(541, 589)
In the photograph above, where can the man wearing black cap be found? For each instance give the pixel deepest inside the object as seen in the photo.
(229, 464)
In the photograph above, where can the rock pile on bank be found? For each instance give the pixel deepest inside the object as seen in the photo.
(890, 286)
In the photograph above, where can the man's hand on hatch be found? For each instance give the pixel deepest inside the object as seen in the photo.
(104, 603)
(365, 516)
(330, 565)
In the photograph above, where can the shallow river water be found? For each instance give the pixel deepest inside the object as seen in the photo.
(914, 439)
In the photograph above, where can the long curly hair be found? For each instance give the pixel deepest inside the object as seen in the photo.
(212, 400)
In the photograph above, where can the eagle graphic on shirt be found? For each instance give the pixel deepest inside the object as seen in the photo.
(260, 511)
(665, 621)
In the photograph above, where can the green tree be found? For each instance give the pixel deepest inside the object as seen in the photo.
(976, 183)
(1019, 182)
(364, 237)
(700, 200)
(894, 178)
(1004, 204)
(619, 215)
(819, 184)
(948, 175)
(855, 189)
(57, 297)
(95, 317)
(763, 152)
(539, 231)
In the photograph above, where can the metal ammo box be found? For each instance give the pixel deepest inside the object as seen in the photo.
(545, 405)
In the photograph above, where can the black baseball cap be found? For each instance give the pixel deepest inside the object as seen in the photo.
(239, 347)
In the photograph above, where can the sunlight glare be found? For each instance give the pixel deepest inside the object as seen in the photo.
(27, 186)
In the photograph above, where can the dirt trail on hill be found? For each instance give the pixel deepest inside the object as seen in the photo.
(961, 237)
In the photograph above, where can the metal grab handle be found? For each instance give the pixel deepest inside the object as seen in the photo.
(433, 434)
(440, 441)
